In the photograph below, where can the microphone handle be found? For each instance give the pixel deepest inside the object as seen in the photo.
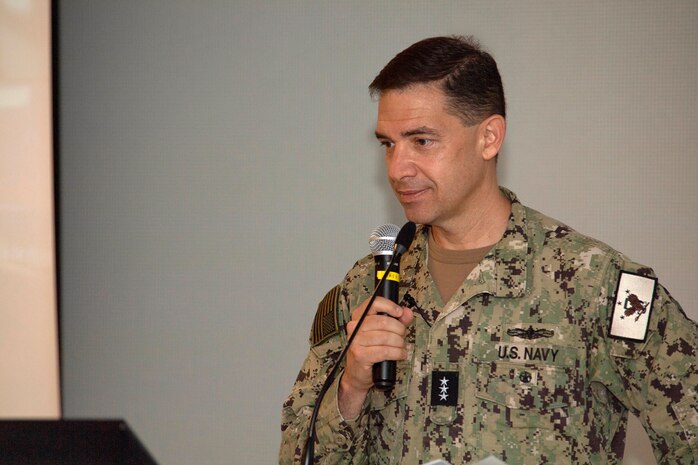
(384, 373)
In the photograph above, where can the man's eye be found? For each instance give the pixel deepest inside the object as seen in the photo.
(423, 142)
(387, 144)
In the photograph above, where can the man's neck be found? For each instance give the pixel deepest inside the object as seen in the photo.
(484, 225)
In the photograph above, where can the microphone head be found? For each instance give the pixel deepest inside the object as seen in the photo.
(405, 238)
(382, 239)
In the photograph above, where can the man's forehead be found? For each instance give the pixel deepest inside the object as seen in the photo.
(416, 109)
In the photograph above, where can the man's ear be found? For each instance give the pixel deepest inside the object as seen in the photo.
(493, 129)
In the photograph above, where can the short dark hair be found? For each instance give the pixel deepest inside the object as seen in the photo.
(466, 74)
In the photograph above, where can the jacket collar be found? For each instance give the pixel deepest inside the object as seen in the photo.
(502, 273)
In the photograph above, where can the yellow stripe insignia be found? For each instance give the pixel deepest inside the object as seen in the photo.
(392, 276)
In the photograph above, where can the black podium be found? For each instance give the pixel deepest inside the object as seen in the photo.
(70, 442)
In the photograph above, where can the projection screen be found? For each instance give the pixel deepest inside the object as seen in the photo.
(28, 316)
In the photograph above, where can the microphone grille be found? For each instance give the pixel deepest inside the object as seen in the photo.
(382, 239)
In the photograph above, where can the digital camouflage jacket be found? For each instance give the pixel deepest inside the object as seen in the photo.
(519, 364)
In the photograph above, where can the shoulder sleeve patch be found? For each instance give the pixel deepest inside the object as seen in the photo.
(325, 324)
(632, 306)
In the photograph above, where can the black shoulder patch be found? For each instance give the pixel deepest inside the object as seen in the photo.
(325, 324)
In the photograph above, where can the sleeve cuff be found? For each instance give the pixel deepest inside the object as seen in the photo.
(332, 427)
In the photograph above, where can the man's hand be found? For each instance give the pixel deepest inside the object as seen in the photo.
(381, 337)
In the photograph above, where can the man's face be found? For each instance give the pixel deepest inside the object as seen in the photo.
(433, 160)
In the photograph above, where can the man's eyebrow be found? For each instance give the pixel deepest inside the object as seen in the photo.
(422, 130)
(419, 131)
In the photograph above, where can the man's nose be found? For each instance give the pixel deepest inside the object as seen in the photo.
(400, 163)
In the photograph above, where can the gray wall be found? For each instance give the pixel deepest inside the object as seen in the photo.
(218, 174)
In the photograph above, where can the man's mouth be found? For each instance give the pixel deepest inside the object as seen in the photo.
(410, 195)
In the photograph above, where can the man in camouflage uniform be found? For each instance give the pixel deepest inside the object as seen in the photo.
(545, 342)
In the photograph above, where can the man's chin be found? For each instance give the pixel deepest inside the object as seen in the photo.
(416, 216)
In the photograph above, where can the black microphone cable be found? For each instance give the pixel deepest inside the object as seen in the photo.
(402, 243)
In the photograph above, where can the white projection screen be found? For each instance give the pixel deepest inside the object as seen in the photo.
(28, 312)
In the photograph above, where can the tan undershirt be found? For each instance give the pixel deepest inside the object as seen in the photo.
(449, 268)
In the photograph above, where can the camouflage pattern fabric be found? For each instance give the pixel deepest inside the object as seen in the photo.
(526, 335)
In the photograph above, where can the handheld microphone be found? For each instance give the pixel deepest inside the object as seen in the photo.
(382, 243)
(402, 243)
(384, 246)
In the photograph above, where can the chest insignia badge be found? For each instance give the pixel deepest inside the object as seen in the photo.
(444, 388)
(530, 333)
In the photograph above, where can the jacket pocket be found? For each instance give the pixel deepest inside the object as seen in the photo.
(524, 396)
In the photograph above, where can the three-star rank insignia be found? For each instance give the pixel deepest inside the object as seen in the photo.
(632, 306)
(444, 388)
(325, 324)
